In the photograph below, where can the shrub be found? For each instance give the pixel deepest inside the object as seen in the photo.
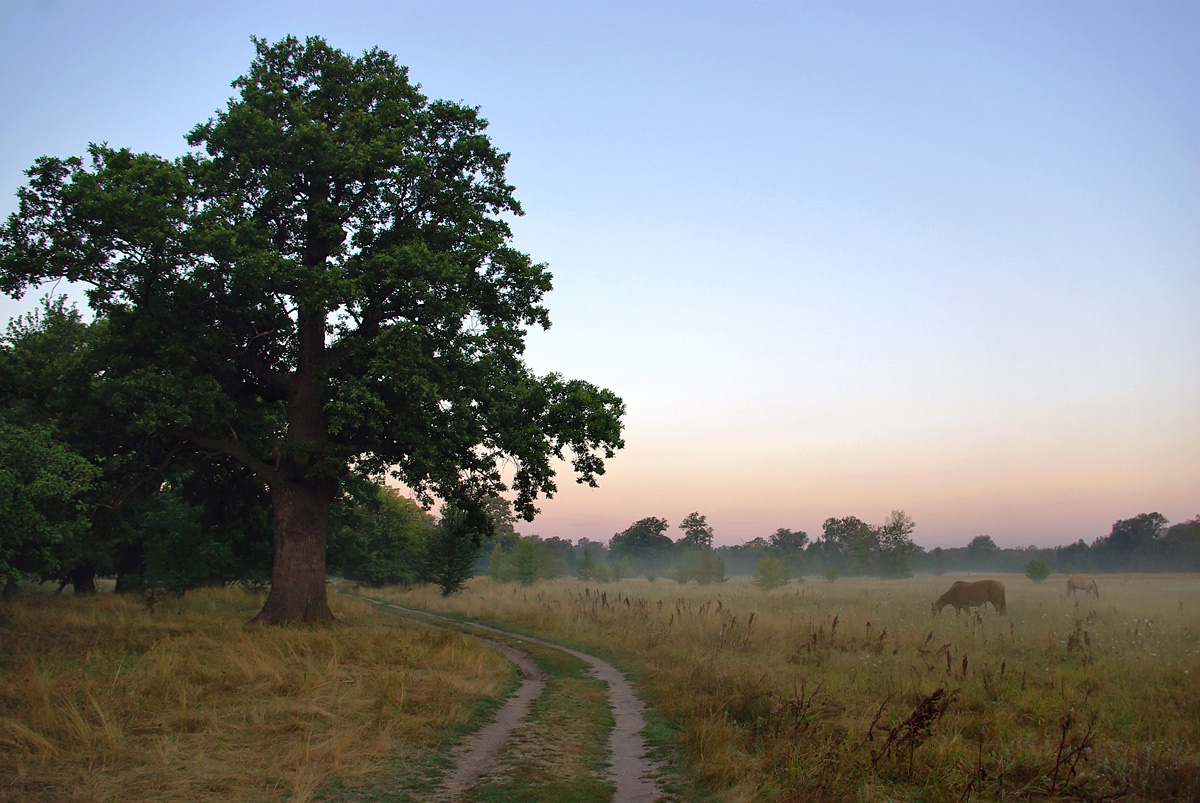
(770, 573)
(1037, 570)
(704, 566)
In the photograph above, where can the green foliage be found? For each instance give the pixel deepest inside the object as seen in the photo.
(325, 282)
(589, 565)
(770, 573)
(451, 551)
(643, 544)
(1037, 570)
(788, 546)
(856, 547)
(703, 565)
(983, 552)
(379, 537)
(526, 559)
(529, 560)
(895, 545)
(180, 552)
(42, 486)
(697, 532)
(831, 574)
(939, 561)
(623, 567)
(496, 568)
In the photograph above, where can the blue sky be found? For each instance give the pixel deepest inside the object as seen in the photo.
(838, 258)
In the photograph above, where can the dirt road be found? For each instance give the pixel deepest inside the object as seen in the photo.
(630, 771)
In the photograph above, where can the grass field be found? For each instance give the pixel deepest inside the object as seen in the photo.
(105, 699)
(853, 690)
(839, 691)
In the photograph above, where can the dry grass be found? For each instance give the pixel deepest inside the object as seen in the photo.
(102, 699)
(854, 690)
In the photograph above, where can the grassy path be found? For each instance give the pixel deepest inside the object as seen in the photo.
(572, 732)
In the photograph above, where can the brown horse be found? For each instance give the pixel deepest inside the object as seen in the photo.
(1078, 582)
(963, 595)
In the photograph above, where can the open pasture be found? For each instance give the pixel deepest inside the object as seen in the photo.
(854, 690)
(103, 698)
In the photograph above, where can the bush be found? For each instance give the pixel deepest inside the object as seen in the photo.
(705, 567)
(770, 573)
(1037, 570)
(831, 574)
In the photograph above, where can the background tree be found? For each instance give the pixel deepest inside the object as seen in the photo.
(788, 546)
(379, 537)
(326, 284)
(1181, 545)
(1131, 544)
(697, 532)
(589, 564)
(983, 552)
(895, 545)
(704, 566)
(833, 548)
(643, 544)
(591, 560)
(862, 550)
(531, 558)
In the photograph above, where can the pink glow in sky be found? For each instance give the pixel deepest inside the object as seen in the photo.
(838, 259)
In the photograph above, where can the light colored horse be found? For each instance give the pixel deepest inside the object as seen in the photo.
(963, 595)
(1078, 582)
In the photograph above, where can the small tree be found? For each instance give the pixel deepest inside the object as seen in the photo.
(589, 566)
(770, 573)
(451, 552)
(526, 561)
(1037, 570)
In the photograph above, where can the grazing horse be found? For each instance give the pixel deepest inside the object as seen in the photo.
(1078, 582)
(963, 595)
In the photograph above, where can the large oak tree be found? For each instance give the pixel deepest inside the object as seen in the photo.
(323, 285)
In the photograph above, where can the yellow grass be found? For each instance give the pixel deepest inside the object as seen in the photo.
(854, 690)
(104, 700)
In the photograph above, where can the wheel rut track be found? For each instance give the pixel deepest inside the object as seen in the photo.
(630, 771)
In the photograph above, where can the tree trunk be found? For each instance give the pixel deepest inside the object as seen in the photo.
(300, 505)
(83, 578)
(131, 569)
(301, 521)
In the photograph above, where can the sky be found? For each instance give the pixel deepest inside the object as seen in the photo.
(838, 258)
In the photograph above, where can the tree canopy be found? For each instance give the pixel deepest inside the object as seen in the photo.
(323, 285)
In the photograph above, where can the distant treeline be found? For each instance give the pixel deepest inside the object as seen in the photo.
(850, 547)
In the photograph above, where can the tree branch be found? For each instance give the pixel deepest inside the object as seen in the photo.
(238, 451)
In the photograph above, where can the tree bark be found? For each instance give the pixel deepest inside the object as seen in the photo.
(131, 569)
(83, 578)
(301, 521)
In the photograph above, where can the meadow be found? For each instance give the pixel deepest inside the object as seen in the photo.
(108, 698)
(816, 691)
(854, 690)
